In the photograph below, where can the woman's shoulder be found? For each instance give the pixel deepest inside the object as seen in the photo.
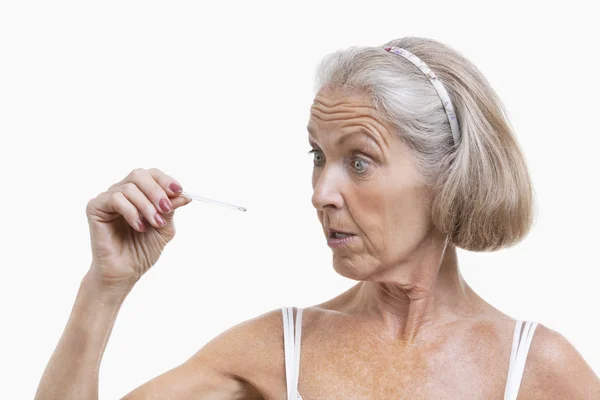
(555, 369)
(251, 350)
(259, 339)
(248, 336)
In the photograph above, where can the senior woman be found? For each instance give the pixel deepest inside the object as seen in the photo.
(413, 157)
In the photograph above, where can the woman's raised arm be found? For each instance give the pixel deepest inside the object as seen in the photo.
(130, 224)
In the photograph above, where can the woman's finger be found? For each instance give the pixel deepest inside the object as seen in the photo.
(180, 201)
(152, 189)
(141, 202)
(116, 202)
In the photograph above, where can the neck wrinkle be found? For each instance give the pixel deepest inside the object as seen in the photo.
(416, 294)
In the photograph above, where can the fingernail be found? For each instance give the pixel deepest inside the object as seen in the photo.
(175, 187)
(141, 225)
(165, 205)
(160, 220)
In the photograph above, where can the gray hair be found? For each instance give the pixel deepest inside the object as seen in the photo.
(483, 196)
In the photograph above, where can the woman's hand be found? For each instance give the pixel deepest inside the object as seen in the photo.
(130, 224)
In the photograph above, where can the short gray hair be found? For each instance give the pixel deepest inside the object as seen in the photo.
(483, 195)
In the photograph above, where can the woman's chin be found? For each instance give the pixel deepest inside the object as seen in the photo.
(349, 270)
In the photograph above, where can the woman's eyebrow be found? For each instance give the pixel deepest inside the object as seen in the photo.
(361, 132)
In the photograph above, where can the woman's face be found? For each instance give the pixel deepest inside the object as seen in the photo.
(365, 182)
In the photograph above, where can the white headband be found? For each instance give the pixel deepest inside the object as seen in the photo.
(437, 85)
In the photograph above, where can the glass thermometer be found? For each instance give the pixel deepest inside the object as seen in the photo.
(211, 201)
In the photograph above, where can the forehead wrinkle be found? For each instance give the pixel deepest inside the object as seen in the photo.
(321, 111)
(343, 112)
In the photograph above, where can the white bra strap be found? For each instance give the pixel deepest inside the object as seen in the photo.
(288, 347)
(518, 356)
(297, 347)
(291, 345)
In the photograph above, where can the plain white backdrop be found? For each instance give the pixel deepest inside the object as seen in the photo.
(218, 96)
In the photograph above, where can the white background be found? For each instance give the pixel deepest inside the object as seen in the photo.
(218, 96)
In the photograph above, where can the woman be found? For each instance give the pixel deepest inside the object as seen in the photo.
(413, 157)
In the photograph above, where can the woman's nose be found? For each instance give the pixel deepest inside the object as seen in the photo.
(326, 192)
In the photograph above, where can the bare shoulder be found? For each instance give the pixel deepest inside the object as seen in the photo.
(251, 351)
(556, 370)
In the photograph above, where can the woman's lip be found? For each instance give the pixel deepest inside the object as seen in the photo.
(335, 242)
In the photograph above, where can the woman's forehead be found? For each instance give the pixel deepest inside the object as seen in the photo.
(342, 106)
(344, 119)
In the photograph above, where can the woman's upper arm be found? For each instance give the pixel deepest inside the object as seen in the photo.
(220, 368)
(191, 380)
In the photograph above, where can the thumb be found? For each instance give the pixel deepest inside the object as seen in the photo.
(176, 202)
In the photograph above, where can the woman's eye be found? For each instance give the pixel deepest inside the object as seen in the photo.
(360, 165)
(318, 157)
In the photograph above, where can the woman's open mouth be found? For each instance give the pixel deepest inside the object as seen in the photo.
(339, 239)
(340, 235)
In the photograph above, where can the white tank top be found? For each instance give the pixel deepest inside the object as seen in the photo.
(291, 343)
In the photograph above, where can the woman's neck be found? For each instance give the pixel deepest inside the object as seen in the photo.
(423, 291)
